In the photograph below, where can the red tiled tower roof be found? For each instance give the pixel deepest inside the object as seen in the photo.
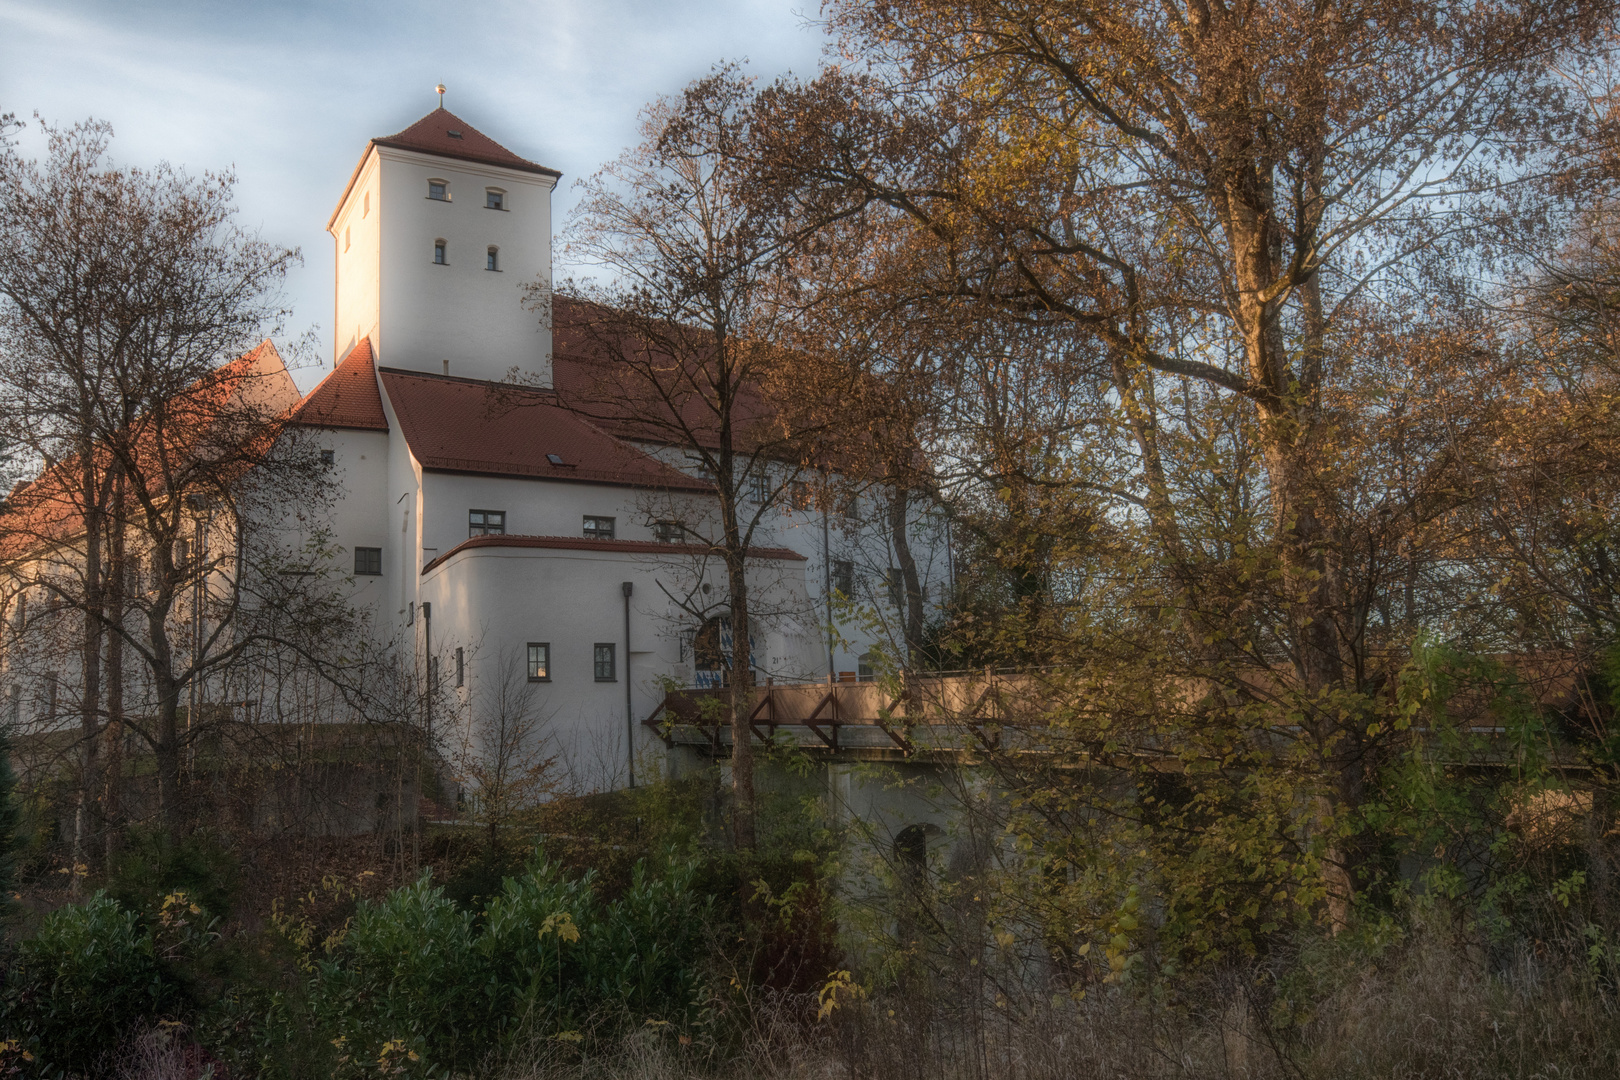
(444, 133)
(348, 397)
(472, 426)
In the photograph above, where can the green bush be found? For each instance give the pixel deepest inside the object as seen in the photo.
(82, 983)
(416, 975)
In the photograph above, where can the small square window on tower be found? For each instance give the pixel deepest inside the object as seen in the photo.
(439, 253)
(495, 200)
(438, 189)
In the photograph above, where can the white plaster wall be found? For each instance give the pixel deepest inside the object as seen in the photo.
(493, 601)
(534, 507)
(359, 253)
(358, 517)
(462, 313)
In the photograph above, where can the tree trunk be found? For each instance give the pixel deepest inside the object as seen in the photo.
(90, 663)
(742, 704)
(113, 733)
(912, 609)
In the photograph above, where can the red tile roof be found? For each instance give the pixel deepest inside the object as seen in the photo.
(347, 398)
(592, 380)
(443, 133)
(628, 547)
(472, 426)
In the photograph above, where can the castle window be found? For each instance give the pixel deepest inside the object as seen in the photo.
(492, 259)
(600, 528)
(368, 561)
(438, 189)
(438, 253)
(328, 458)
(668, 532)
(603, 662)
(843, 578)
(494, 199)
(539, 661)
(486, 522)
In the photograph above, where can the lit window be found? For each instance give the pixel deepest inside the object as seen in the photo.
(345, 238)
(438, 189)
(539, 661)
(461, 668)
(495, 200)
(668, 532)
(367, 561)
(438, 253)
(492, 259)
(604, 663)
(486, 522)
(599, 527)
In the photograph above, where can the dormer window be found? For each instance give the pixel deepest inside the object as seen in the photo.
(439, 258)
(494, 199)
(438, 189)
(492, 259)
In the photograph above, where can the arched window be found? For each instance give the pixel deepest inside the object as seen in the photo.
(440, 257)
(439, 189)
(492, 258)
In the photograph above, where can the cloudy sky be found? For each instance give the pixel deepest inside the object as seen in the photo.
(287, 92)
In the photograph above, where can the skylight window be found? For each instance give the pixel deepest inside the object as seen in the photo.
(555, 459)
(453, 133)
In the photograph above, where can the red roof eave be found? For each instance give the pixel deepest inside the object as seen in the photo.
(620, 547)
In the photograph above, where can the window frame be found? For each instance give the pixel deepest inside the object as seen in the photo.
(612, 661)
(441, 253)
(591, 528)
(492, 258)
(669, 532)
(444, 189)
(377, 561)
(499, 195)
(485, 528)
(544, 662)
(841, 575)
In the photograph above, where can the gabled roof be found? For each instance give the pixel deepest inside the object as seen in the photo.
(622, 547)
(443, 133)
(231, 415)
(473, 426)
(347, 398)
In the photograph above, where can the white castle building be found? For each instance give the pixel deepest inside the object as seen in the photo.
(488, 525)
